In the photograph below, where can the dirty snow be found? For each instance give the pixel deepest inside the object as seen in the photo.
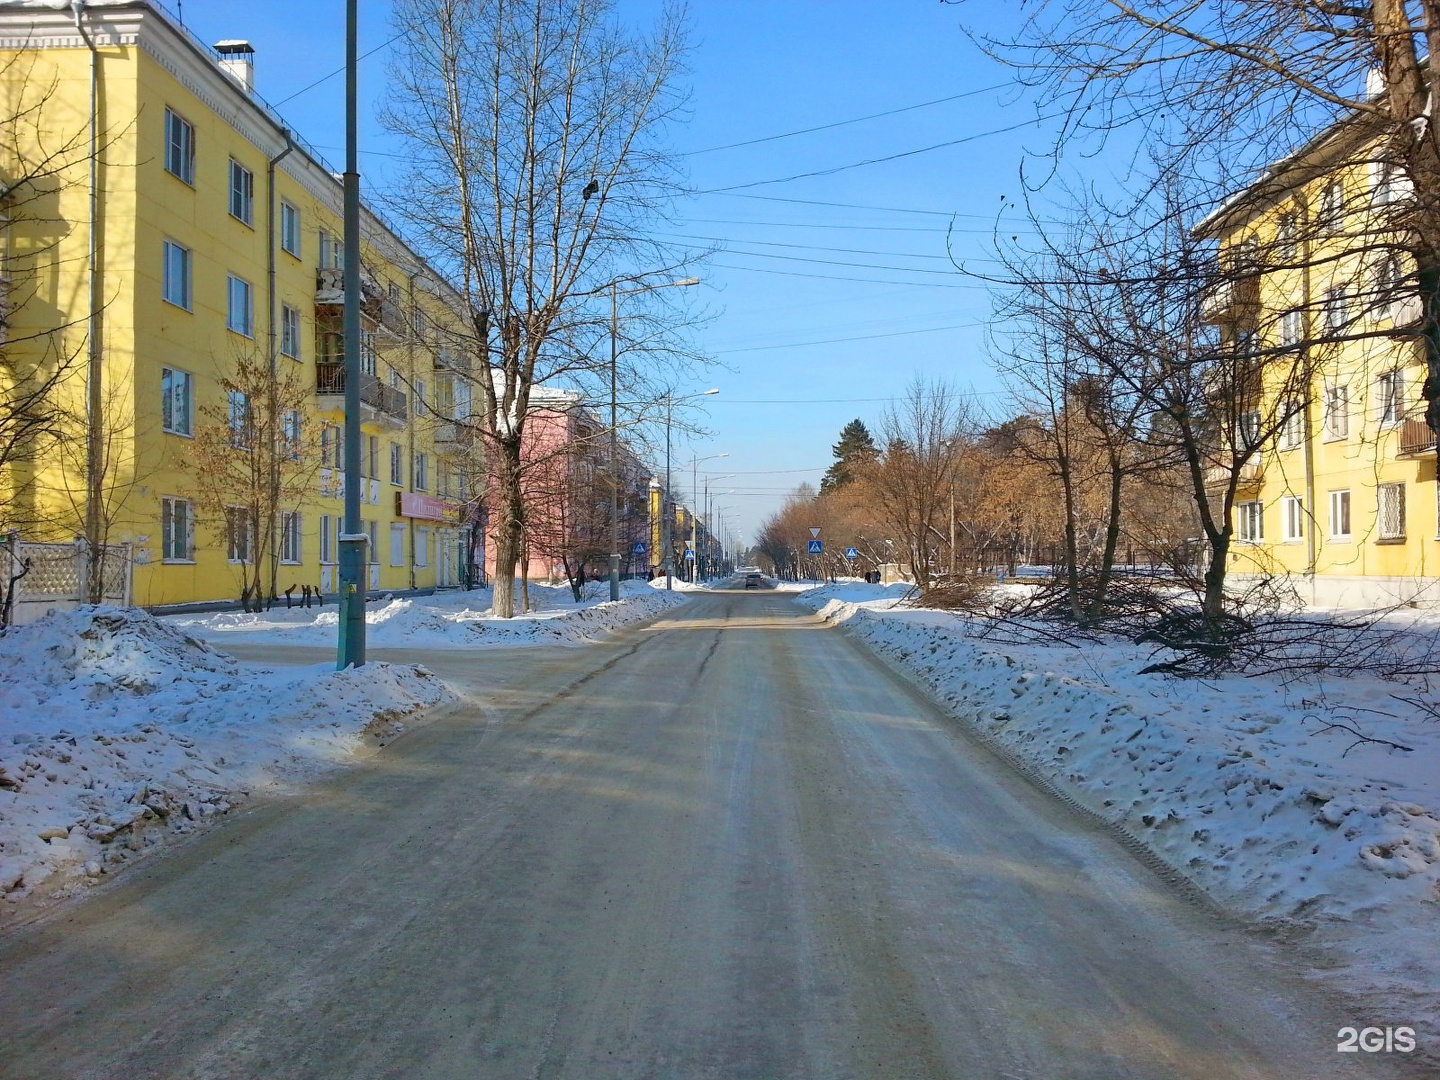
(451, 620)
(118, 732)
(1237, 783)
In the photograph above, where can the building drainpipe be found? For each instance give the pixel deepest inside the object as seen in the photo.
(94, 474)
(1312, 510)
(272, 351)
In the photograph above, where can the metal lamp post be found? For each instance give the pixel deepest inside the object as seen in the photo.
(710, 521)
(694, 518)
(615, 293)
(667, 538)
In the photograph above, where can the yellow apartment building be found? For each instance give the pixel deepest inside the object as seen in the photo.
(1343, 500)
(207, 232)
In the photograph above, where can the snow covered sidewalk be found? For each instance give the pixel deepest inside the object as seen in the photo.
(1239, 784)
(448, 620)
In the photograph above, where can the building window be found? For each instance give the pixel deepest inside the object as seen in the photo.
(397, 544)
(1250, 521)
(179, 147)
(290, 429)
(1391, 511)
(240, 306)
(1292, 425)
(442, 477)
(329, 526)
(177, 530)
(1337, 411)
(175, 275)
(289, 229)
(1248, 429)
(420, 389)
(422, 472)
(422, 547)
(372, 530)
(1287, 235)
(1388, 280)
(367, 354)
(290, 331)
(372, 456)
(242, 193)
(1390, 397)
(332, 252)
(392, 289)
(241, 420)
(289, 538)
(460, 393)
(330, 446)
(397, 464)
(177, 400)
(1332, 207)
(238, 533)
(1337, 309)
(1292, 518)
(1340, 515)
(1389, 183)
(1292, 329)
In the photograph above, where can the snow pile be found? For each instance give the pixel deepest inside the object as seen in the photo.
(449, 620)
(118, 731)
(1261, 791)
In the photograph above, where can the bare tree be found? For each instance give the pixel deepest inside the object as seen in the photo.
(255, 457)
(533, 129)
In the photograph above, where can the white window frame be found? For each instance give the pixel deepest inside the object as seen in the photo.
(1250, 522)
(242, 194)
(1292, 328)
(1287, 235)
(1248, 427)
(1337, 412)
(422, 471)
(1390, 511)
(1390, 397)
(239, 306)
(422, 547)
(329, 531)
(240, 416)
(1292, 519)
(397, 544)
(292, 429)
(397, 464)
(176, 275)
(239, 535)
(372, 529)
(1388, 183)
(291, 538)
(290, 331)
(1337, 309)
(177, 547)
(1332, 207)
(1340, 515)
(289, 229)
(177, 396)
(332, 251)
(179, 147)
(1292, 425)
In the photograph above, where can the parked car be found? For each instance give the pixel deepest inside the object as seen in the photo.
(754, 581)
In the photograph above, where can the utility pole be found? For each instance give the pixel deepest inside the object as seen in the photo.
(353, 538)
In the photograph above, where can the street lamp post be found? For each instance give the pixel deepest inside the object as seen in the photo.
(694, 518)
(710, 521)
(615, 293)
(666, 537)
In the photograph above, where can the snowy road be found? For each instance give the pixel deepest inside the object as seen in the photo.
(727, 845)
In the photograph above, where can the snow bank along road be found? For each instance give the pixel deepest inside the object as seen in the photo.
(729, 844)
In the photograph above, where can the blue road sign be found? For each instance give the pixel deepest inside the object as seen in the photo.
(816, 547)
(640, 548)
(690, 555)
(852, 553)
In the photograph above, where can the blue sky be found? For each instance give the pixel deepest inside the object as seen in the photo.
(824, 303)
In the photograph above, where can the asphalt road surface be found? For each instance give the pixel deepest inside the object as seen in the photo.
(728, 845)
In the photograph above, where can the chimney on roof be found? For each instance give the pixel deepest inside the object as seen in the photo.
(237, 59)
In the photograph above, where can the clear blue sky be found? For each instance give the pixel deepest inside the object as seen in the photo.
(822, 311)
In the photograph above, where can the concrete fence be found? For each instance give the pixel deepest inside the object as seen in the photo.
(36, 579)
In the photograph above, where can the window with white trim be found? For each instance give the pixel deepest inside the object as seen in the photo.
(1247, 429)
(1292, 426)
(1388, 280)
(329, 529)
(372, 530)
(291, 428)
(422, 547)
(367, 352)
(330, 446)
(397, 463)
(175, 275)
(1287, 234)
(241, 420)
(1390, 511)
(1250, 521)
(1336, 310)
(1337, 411)
(1292, 518)
(289, 331)
(1292, 328)
(372, 456)
(179, 147)
(239, 534)
(397, 544)
(290, 538)
(422, 471)
(1340, 515)
(242, 193)
(332, 251)
(1390, 397)
(177, 401)
(239, 306)
(177, 530)
(1332, 207)
(1389, 183)
(289, 229)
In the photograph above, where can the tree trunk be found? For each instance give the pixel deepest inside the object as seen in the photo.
(510, 533)
(1096, 606)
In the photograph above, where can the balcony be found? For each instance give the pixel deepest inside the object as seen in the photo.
(378, 402)
(1252, 474)
(1232, 301)
(1415, 438)
(330, 293)
(448, 359)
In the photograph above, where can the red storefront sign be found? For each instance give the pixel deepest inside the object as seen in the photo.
(426, 507)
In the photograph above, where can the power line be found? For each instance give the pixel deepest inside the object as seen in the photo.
(862, 337)
(841, 277)
(340, 71)
(813, 247)
(843, 123)
(729, 193)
